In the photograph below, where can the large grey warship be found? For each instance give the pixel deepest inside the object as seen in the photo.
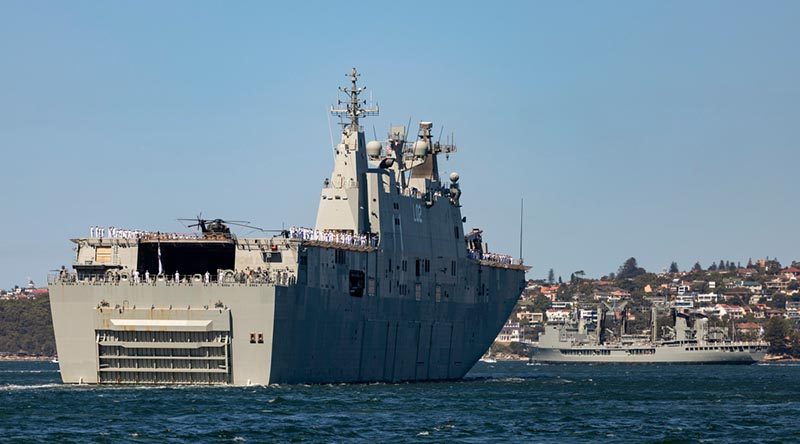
(689, 341)
(386, 287)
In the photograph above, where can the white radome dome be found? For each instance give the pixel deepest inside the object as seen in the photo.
(420, 148)
(374, 148)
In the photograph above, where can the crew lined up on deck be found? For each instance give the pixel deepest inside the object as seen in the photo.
(358, 240)
(491, 257)
(247, 276)
(119, 233)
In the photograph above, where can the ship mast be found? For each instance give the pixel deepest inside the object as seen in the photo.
(354, 108)
(344, 198)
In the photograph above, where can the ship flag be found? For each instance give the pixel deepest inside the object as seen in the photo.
(160, 267)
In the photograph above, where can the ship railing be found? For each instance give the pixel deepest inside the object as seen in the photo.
(272, 277)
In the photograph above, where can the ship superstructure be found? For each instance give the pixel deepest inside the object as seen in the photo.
(386, 286)
(690, 340)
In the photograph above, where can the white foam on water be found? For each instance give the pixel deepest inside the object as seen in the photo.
(16, 387)
(507, 379)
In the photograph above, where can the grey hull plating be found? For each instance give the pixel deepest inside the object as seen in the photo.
(310, 335)
(660, 355)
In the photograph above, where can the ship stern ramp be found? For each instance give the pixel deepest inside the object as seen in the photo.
(163, 333)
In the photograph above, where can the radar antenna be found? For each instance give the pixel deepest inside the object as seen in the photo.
(355, 107)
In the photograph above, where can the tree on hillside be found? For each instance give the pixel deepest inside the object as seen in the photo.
(697, 267)
(551, 276)
(712, 267)
(540, 303)
(630, 269)
(673, 267)
(778, 301)
(772, 266)
(794, 343)
(560, 281)
(750, 263)
(776, 332)
(731, 266)
(26, 326)
(721, 265)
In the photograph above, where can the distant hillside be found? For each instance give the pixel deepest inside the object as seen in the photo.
(26, 327)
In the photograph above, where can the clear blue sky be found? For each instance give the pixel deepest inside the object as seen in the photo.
(660, 130)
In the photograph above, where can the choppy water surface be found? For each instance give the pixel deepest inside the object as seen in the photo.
(503, 401)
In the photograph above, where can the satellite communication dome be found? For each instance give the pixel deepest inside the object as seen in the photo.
(373, 148)
(454, 177)
(420, 148)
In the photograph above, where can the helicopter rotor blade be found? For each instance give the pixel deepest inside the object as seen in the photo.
(244, 225)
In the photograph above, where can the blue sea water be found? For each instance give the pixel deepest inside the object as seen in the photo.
(502, 402)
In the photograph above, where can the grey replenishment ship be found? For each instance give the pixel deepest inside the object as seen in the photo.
(386, 287)
(689, 341)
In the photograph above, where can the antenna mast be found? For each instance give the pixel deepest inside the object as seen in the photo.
(521, 208)
(354, 106)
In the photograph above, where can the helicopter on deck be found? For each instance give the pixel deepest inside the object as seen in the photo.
(217, 227)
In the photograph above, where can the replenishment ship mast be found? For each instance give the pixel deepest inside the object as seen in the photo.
(386, 287)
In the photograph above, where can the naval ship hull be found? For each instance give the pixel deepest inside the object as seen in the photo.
(243, 334)
(387, 286)
(682, 354)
